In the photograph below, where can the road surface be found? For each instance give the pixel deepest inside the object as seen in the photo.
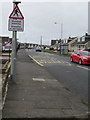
(72, 75)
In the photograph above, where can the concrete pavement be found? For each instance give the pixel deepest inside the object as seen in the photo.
(37, 94)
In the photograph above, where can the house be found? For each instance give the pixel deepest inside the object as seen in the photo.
(4, 39)
(87, 44)
(7, 46)
(72, 43)
(84, 42)
(55, 44)
(79, 43)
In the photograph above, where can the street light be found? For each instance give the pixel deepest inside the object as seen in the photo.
(61, 42)
(41, 41)
(61, 29)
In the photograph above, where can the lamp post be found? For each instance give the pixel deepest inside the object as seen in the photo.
(61, 26)
(61, 42)
(41, 41)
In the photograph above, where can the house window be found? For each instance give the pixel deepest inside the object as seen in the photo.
(78, 39)
(83, 38)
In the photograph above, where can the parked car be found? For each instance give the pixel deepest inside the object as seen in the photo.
(86, 49)
(38, 49)
(81, 57)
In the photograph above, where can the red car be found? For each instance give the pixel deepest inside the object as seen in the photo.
(81, 57)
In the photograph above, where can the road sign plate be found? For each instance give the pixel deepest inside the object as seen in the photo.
(16, 14)
(16, 25)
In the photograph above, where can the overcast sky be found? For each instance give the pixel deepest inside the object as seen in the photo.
(41, 16)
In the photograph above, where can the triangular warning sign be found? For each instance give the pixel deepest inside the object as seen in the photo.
(16, 13)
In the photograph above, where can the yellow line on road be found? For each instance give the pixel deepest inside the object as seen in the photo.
(35, 60)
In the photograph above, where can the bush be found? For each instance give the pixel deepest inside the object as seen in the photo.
(51, 49)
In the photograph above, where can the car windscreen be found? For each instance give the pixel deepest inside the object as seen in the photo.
(85, 53)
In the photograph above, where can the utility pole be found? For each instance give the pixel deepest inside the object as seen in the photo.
(14, 46)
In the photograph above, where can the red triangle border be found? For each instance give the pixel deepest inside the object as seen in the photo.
(13, 12)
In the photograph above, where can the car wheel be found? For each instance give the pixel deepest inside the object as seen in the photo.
(71, 59)
(80, 62)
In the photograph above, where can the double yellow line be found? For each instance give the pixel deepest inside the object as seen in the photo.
(36, 61)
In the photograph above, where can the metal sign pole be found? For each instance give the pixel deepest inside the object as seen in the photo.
(13, 77)
(13, 57)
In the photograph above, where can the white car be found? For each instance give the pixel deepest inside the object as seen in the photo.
(38, 49)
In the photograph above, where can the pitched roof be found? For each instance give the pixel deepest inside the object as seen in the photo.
(73, 41)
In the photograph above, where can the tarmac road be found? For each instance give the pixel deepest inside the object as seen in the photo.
(73, 76)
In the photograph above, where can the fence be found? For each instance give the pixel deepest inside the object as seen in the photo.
(5, 79)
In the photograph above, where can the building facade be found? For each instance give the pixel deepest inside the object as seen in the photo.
(53, 42)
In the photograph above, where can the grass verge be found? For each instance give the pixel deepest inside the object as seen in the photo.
(66, 55)
(53, 52)
(49, 51)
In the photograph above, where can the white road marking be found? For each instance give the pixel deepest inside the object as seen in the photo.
(38, 79)
(52, 80)
(83, 67)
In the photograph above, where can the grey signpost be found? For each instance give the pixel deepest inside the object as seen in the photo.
(16, 23)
